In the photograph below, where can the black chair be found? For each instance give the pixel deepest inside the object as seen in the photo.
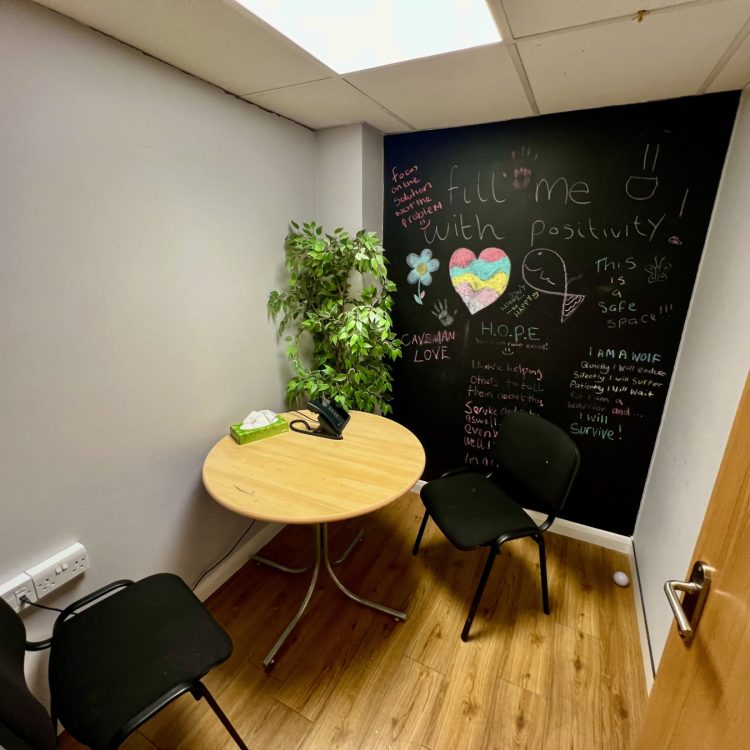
(536, 463)
(117, 657)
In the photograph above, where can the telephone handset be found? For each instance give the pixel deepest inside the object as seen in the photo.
(332, 419)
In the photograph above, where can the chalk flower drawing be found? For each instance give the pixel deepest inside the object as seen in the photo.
(422, 267)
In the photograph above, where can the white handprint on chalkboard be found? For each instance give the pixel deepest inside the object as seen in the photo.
(440, 311)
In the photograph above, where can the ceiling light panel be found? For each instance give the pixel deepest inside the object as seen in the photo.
(351, 35)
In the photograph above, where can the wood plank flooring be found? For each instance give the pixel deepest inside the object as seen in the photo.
(351, 678)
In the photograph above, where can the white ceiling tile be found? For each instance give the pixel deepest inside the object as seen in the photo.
(670, 53)
(211, 39)
(736, 72)
(327, 104)
(667, 55)
(528, 17)
(463, 88)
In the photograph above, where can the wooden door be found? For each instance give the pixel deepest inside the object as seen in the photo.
(701, 694)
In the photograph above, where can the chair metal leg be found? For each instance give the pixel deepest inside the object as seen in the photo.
(543, 572)
(53, 715)
(204, 692)
(418, 540)
(478, 593)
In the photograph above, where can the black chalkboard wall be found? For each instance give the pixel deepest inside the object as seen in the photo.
(547, 264)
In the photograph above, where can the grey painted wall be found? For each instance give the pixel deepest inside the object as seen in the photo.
(143, 214)
(350, 178)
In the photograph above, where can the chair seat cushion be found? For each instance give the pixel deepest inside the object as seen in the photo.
(473, 511)
(124, 654)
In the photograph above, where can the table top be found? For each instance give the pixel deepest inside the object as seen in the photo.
(295, 478)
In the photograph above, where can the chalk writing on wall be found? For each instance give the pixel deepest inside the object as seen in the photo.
(552, 262)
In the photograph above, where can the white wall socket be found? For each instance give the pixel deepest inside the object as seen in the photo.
(57, 570)
(15, 588)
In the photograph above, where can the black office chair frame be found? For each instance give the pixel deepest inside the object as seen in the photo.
(207, 649)
(544, 478)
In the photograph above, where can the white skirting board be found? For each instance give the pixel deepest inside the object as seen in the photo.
(617, 542)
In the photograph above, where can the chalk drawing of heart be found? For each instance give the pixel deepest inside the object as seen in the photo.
(479, 281)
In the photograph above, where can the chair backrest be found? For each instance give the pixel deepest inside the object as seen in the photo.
(24, 723)
(537, 460)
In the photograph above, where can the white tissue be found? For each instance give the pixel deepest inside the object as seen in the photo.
(258, 419)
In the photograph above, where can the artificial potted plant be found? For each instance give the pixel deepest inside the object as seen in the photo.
(339, 333)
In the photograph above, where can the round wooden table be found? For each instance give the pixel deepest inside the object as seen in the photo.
(298, 478)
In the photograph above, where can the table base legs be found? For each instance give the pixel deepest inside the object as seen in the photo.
(366, 602)
(357, 539)
(321, 552)
(286, 569)
(271, 656)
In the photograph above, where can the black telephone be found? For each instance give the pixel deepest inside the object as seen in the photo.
(332, 419)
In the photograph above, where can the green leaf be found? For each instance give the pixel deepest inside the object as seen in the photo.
(348, 335)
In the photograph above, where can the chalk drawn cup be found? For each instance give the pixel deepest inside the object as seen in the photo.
(479, 281)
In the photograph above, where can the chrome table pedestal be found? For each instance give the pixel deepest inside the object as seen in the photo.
(320, 530)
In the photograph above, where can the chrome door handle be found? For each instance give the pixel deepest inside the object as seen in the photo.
(688, 612)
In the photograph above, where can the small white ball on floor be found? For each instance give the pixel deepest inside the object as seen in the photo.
(621, 579)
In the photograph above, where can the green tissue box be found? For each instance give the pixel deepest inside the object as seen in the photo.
(241, 436)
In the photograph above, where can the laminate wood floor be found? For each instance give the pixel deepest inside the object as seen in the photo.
(353, 678)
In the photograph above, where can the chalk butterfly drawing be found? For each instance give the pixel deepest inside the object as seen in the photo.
(422, 267)
(657, 271)
(545, 271)
(479, 281)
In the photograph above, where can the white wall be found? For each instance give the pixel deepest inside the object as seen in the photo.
(350, 178)
(339, 181)
(372, 180)
(705, 391)
(142, 216)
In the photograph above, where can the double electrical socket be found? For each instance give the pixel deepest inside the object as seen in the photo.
(51, 573)
(46, 577)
